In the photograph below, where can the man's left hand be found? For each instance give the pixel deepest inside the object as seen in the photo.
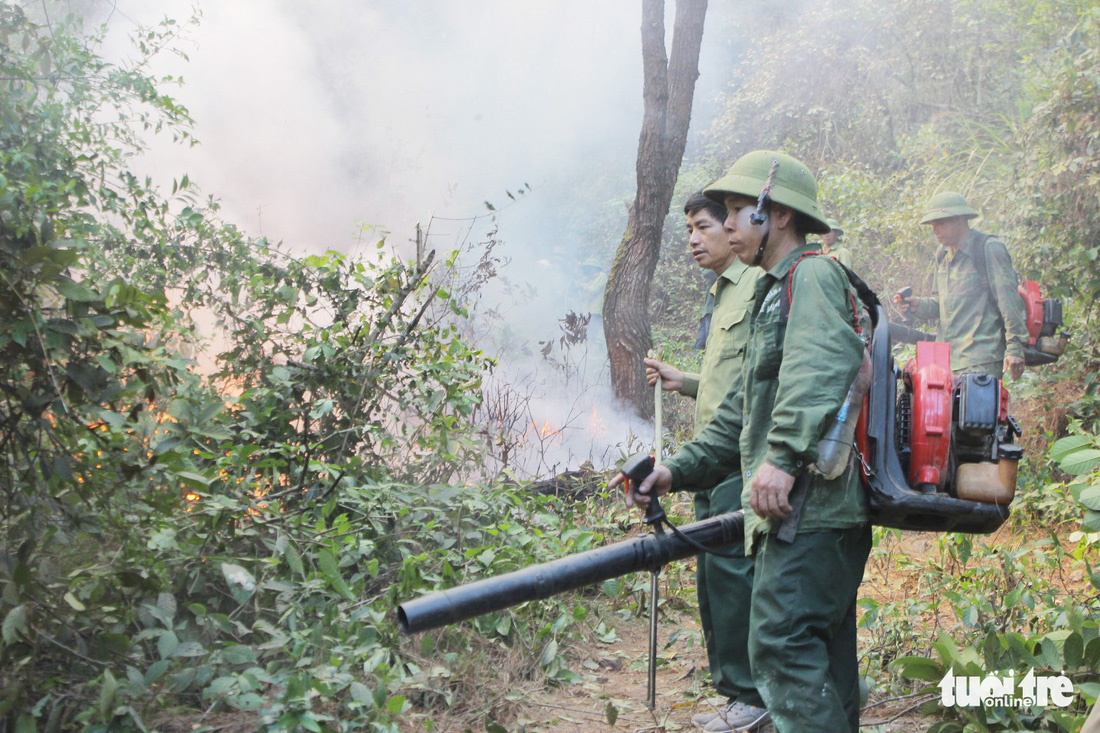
(771, 488)
(1014, 366)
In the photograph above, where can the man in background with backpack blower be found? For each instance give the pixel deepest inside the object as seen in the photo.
(979, 309)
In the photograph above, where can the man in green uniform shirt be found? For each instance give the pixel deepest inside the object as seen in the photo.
(724, 585)
(979, 309)
(798, 368)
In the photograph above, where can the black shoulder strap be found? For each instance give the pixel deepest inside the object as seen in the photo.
(978, 255)
(866, 295)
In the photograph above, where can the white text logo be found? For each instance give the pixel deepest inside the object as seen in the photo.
(993, 691)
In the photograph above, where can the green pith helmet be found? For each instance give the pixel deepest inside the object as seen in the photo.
(593, 263)
(835, 226)
(794, 184)
(946, 205)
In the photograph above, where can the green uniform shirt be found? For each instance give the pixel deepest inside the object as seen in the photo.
(981, 315)
(795, 377)
(842, 255)
(729, 333)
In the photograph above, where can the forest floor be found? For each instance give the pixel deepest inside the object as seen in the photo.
(618, 680)
(620, 685)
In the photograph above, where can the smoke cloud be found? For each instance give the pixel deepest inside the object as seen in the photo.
(317, 118)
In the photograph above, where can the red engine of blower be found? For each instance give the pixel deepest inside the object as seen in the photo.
(936, 449)
(954, 432)
(931, 387)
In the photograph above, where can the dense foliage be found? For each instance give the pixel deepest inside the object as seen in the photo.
(178, 540)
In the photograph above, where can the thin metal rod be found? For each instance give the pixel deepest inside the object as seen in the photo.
(651, 688)
(654, 575)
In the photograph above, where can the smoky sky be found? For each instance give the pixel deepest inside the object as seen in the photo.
(315, 116)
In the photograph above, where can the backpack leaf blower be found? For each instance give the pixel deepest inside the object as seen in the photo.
(940, 455)
(937, 456)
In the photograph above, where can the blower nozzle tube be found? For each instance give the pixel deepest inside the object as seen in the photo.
(648, 552)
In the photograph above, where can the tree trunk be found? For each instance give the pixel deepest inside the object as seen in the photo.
(667, 90)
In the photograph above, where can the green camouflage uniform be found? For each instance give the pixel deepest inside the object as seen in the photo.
(802, 633)
(981, 315)
(724, 585)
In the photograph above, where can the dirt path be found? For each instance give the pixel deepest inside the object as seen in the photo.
(614, 687)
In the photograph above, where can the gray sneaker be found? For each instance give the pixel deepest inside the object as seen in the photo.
(737, 717)
(700, 720)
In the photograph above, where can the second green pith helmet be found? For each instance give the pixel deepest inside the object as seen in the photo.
(835, 226)
(794, 184)
(946, 205)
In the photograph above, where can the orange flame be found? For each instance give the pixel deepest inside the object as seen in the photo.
(548, 431)
(596, 426)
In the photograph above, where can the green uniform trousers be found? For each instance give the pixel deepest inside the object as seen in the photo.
(725, 590)
(802, 640)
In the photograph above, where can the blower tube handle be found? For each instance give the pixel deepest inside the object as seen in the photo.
(636, 469)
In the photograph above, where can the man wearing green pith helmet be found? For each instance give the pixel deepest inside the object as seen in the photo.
(977, 303)
(723, 584)
(802, 356)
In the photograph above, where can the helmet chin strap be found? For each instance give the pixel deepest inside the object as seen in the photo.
(763, 243)
(763, 206)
